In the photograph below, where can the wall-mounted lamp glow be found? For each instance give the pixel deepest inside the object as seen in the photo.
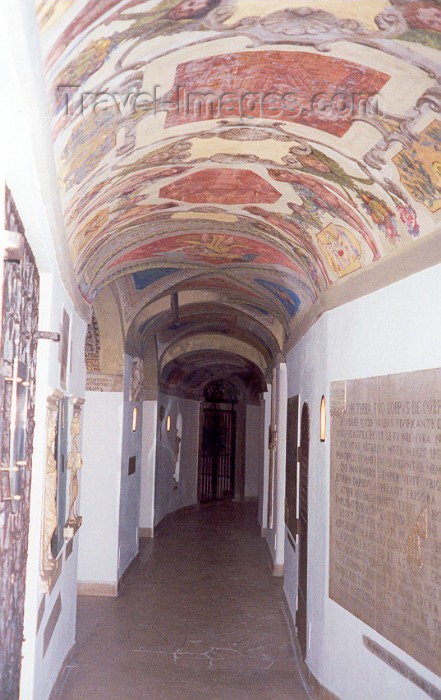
(134, 419)
(323, 419)
(168, 423)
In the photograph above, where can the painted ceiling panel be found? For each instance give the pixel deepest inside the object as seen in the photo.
(267, 85)
(257, 152)
(222, 186)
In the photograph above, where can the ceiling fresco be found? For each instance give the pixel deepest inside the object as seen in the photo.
(245, 155)
(208, 318)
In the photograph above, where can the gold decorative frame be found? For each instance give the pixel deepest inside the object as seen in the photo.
(49, 565)
(74, 464)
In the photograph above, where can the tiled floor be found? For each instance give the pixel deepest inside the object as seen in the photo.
(199, 618)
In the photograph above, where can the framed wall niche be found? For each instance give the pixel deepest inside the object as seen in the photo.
(63, 460)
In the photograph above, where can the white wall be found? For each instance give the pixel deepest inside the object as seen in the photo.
(275, 533)
(27, 163)
(109, 496)
(38, 673)
(253, 438)
(169, 495)
(100, 487)
(148, 464)
(130, 486)
(263, 485)
(397, 329)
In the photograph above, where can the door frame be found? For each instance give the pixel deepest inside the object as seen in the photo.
(216, 409)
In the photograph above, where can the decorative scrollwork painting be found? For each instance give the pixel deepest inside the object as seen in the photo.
(49, 563)
(63, 458)
(74, 464)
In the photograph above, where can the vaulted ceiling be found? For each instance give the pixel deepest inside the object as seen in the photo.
(246, 156)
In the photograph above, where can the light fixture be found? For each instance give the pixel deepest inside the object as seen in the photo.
(323, 420)
(168, 423)
(134, 419)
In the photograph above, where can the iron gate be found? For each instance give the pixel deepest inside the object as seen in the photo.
(19, 319)
(217, 469)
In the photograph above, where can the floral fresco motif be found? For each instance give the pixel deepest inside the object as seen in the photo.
(144, 278)
(420, 167)
(168, 17)
(424, 23)
(318, 201)
(92, 140)
(213, 249)
(287, 297)
(340, 248)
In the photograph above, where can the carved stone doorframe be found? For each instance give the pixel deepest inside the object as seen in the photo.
(67, 523)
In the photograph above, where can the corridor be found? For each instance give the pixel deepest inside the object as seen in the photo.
(199, 617)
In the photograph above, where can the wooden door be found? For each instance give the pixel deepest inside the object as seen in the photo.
(19, 319)
(302, 621)
(217, 460)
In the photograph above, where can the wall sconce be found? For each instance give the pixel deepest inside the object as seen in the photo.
(168, 424)
(134, 419)
(323, 420)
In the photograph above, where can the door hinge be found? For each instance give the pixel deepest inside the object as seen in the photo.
(48, 335)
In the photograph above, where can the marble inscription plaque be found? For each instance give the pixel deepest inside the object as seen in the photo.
(102, 382)
(402, 668)
(385, 547)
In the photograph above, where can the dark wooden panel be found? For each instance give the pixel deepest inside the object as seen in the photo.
(132, 465)
(302, 622)
(292, 436)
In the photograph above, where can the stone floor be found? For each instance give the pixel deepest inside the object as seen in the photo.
(199, 617)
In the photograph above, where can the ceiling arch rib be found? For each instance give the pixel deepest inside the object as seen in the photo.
(314, 156)
(178, 315)
(190, 374)
(206, 342)
(209, 318)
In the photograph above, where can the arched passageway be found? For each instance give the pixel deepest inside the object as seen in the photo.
(240, 191)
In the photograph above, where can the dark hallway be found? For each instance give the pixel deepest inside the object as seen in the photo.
(199, 616)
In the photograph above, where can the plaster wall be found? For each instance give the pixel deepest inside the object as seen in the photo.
(169, 494)
(28, 166)
(39, 669)
(100, 487)
(396, 329)
(148, 464)
(130, 486)
(253, 438)
(263, 483)
(275, 534)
